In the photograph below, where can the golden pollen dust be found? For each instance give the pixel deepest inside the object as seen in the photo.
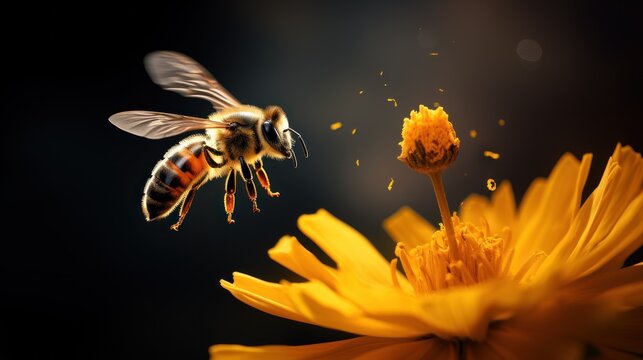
(336, 126)
(491, 184)
(491, 154)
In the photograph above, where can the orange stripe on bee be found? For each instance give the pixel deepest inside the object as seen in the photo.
(185, 179)
(188, 163)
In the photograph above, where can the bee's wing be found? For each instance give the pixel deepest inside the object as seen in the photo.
(158, 125)
(179, 73)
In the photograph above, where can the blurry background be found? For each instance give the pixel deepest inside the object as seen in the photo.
(87, 277)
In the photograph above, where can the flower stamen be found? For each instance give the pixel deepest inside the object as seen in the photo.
(430, 266)
(393, 269)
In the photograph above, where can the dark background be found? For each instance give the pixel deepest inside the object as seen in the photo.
(85, 276)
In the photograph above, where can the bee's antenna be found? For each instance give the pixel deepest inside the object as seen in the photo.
(291, 155)
(303, 144)
(294, 159)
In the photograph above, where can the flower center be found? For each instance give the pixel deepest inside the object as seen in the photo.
(431, 267)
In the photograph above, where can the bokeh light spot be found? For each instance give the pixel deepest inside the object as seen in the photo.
(529, 50)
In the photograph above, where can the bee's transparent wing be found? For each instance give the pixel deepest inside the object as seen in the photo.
(179, 73)
(158, 125)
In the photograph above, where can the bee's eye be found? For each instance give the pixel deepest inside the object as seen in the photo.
(269, 132)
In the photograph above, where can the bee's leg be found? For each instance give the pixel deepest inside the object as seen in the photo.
(185, 207)
(250, 184)
(263, 178)
(230, 189)
(185, 204)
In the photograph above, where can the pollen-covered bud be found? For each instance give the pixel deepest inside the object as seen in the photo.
(429, 142)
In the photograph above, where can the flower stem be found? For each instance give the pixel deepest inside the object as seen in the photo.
(440, 195)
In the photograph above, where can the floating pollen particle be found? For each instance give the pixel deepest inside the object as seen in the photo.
(435, 53)
(491, 184)
(354, 131)
(390, 184)
(473, 133)
(335, 126)
(491, 154)
(502, 122)
(393, 101)
(357, 162)
(441, 90)
(381, 72)
(361, 92)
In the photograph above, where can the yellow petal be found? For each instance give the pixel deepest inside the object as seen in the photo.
(611, 251)
(498, 213)
(357, 348)
(625, 297)
(291, 254)
(548, 209)
(431, 348)
(312, 302)
(609, 225)
(592, 286)
(408, 227)
(455, 312)
(322, 306)
(619, 232)
(586, 311)
(347, 247)
(262, 295)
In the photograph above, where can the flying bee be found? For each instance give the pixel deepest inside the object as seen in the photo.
(236, 138)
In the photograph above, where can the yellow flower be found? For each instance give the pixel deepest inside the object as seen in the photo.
(541, 281)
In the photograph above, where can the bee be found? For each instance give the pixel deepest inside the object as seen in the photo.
(235, 140)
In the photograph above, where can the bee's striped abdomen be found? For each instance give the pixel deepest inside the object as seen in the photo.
(183, 166)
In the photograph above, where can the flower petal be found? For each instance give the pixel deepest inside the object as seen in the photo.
(324, 307)
(548, 208)
(506, 342)
(620, 296)
(451, 313)
(408, 227)
(262, 295)
(357, 348)
(347, 247)
(591, 310)
(312, 302)
(498, 213)
(609, 225)
(291, 254)
(623, 335)
(592, 286)
(605, 352)
(619, 232)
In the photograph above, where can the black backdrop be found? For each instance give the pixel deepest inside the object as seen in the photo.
(84, 276)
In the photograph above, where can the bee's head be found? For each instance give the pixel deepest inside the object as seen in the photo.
(277, 134)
